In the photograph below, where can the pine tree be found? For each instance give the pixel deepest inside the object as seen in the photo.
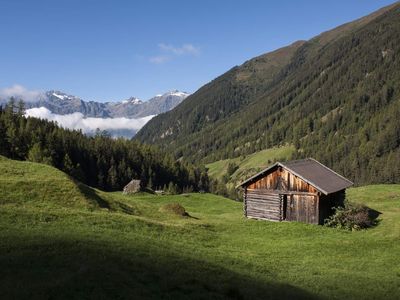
(113, 177)
(68, 166)
(21, 108)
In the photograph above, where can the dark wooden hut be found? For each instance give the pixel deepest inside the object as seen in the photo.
(301, 190)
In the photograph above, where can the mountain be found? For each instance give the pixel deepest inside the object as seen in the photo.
(135, 108)
(63, 104)
(335, 97)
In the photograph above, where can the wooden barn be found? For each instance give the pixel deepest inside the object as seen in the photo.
(301, 190)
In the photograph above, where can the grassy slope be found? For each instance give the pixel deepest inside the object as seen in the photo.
(52, 248)
(250, 164)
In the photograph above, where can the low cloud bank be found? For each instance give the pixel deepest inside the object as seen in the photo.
(19, 92)
(116, 126)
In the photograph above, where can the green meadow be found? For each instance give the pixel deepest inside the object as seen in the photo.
(61, 239)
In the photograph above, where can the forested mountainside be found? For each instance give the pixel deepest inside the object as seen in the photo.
(99, 161)
(335, 97)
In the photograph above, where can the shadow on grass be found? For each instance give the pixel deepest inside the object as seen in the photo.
(91, 194)
(80, 269)
(373, 214)
(192, 217)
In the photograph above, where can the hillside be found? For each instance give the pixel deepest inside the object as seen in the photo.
(29, 185)
(335, 97)
(186, 126)
(58, 243)
(235, 170)
(100, 161)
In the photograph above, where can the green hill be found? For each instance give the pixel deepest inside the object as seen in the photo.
(335, 97)
(99, 161)
(56, 242)
(29, 185)
(243, 167)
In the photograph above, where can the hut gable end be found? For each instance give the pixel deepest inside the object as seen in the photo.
(301, 190)
(306, 171)
(281, 179)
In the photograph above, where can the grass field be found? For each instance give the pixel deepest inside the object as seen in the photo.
(63, 240)
(250, 164)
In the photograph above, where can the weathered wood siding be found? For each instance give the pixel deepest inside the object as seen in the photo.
(278, 193)
(281, 179)
(302, 208)
(262, 204)
(281, 195)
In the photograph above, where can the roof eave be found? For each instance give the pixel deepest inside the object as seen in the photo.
(298, 175)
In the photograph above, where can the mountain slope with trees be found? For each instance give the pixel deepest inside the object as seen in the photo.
(335, 97)
(99, 161)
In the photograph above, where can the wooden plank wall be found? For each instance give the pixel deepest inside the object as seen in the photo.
(281, 179)
(281, 195)
(302, 208)
(271, 205)
(262, 204)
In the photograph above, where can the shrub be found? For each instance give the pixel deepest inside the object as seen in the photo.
(174, 208)
(351, 217)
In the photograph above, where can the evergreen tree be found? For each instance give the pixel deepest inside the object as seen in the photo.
(37, 154)
(99, 161)
(113, 177)
(21, 107)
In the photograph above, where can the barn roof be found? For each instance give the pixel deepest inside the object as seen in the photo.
(311, 171)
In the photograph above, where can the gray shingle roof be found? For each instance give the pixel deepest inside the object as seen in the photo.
(313, 172)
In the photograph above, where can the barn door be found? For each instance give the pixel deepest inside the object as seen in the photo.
(302, 208)
(290, 208)
(284, 203)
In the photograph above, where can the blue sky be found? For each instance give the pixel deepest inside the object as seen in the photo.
(111, 50)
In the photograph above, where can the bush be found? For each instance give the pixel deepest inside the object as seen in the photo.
(174, 208)
(351, 217)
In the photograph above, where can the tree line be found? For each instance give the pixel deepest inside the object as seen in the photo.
(99, 161)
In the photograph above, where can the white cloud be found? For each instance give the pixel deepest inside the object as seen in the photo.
(89, 125)
(19, 92)
(170, 51)
(160, 59)
(184, 49)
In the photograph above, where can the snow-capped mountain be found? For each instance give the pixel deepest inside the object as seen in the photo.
(62, 104)
(135, 108)
(131, 100)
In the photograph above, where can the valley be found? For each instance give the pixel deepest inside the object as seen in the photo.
(119, 119)
(172, 197)
(66, 240)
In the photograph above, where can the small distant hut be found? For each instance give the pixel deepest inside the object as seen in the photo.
(301, 190)
(132, 187)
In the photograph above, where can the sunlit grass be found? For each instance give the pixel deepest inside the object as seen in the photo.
(126, 247)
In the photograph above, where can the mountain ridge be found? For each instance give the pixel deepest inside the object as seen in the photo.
(62, 103)
(308, 101)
